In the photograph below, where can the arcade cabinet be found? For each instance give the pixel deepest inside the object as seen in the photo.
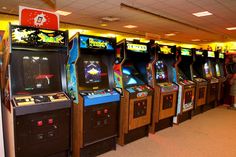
(198, 77)
(36, 110)
(96, 103)
(160, 77)
(213, 82)
(131, 80)
(186, 86)
(220, 74)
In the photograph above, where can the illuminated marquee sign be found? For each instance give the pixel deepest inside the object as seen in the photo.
(186, 52)
(96, 43)
(166, 50)
(221, 55)
(137, 47)
(199, 53)
(30, 36)
(211, 54)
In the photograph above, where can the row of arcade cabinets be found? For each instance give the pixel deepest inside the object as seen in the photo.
(36, 110)
(95, 102)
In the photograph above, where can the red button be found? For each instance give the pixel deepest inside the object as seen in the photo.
(40, 123)
(50, 121)
(98, 112)
(105, 110)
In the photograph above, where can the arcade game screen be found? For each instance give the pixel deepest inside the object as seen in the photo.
(161, 72)
(186, 52)
(131, 76)
(207, 70)
(92, 71)
(35, 73)
(217, 70)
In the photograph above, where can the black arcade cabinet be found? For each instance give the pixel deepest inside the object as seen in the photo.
(186, 93)
(131, 80)
(160, 76)
(210, 76)
(220, 73)
(36, 111)
(198, 78)
(96, 103)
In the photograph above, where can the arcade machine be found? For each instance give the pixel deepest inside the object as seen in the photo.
(201, 83)
(160, 77)
(213, 82)
(220, 74)
(131, 80)
(186, 86)
(96, 103)
(36, 110)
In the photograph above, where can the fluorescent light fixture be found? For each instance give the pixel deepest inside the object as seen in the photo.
(130, 26)
(170, 34)
(203, 13)
(63, 13)
(231, 28)
(195, 39)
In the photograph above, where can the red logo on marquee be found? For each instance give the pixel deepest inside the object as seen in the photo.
(38, 18)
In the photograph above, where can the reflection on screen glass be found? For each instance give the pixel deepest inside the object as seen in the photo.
(207, 70)
(217, 70)
(131, 76)
(161, 71)
(36, 73)
(92, 70)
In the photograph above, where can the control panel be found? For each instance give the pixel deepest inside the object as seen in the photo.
(140, 91)
(199, 79)
(140, 108)
(98, 93)
(186, 82)
(37, 99)
(167, 101)
(214, 80)
(168, 87)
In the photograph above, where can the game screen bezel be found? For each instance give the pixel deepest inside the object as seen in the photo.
(30, 78)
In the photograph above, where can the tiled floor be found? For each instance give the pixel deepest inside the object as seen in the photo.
(211, 134)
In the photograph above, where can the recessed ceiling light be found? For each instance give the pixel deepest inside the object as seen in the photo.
(130, 26)
(63, 13)
(4, 8)
(110, 18)
(195, 39)
(103, 24)
(203, 13)
(231, 28)
(170, 34)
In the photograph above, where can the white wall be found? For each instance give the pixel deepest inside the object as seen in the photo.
(2, 153)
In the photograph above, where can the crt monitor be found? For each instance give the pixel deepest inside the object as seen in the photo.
(92, 73)
(161, 72)
(35, 72)
(131, 76)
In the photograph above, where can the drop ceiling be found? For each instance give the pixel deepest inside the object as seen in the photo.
(150, 16)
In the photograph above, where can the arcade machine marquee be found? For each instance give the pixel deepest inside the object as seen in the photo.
(165, 95)
(37, 110)
(136, 100)
(96, 103)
